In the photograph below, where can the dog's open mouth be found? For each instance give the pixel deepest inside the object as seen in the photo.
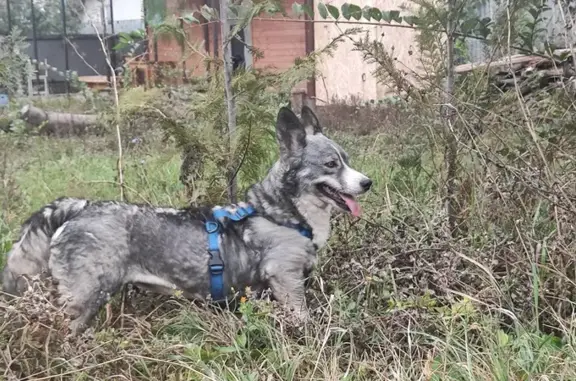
(345, 201)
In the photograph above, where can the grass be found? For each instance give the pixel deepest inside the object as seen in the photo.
(394, 296)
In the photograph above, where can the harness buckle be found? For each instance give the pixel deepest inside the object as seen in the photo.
(212, 227)
(216, 269)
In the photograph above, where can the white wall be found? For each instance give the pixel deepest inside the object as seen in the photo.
(127, 9)
(346, 75)
(128, 15)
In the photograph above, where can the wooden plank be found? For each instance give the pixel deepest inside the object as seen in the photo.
(93, 79)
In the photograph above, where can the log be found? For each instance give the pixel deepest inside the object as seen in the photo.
(57, 123)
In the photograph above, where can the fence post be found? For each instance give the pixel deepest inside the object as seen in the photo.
(297, 100)
(9, 14)
(29, 71)
(46, 90)
(65, 40)
(34, 38)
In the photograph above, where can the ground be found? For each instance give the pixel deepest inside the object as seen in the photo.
(394, 297)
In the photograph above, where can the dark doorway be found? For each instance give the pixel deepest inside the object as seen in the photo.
(238, 51)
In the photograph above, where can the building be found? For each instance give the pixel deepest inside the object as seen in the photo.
(282, 40)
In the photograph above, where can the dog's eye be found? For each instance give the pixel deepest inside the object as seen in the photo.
(331, 164)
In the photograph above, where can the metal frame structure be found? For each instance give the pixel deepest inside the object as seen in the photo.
(110, 39)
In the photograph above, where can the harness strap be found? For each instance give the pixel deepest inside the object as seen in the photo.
(304, 231)
(216, 264)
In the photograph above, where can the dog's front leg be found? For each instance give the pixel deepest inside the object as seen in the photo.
(288, 289)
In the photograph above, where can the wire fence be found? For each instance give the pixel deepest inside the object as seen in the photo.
(67, 36)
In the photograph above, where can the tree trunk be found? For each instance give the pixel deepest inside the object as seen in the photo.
(230, 101)
(57, 123)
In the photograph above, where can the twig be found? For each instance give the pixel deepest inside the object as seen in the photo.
(81, 56)
(119, 164)
(449, 113)
(118, 134)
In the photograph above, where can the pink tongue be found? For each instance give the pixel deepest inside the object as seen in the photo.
(353, 206)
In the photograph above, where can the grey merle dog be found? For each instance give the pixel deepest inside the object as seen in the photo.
(91, 249)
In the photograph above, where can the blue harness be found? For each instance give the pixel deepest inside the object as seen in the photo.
(216, 264)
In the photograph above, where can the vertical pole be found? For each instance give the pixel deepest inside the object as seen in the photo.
(215, 30)
(65, 41)
(309, 45)
(184, 76)
(230, 101)
(46, 72)
(29, 78)
(206, 29)
(34, 39)
(113, 58)
(9, 14)
(449, 114)
(105, 39)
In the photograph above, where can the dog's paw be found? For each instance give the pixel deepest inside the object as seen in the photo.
(296, 317)
(77, 328)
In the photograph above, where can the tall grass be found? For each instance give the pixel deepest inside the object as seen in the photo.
(395, 295)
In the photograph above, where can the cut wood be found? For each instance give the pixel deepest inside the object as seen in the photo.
(58, 123)
(527, 73)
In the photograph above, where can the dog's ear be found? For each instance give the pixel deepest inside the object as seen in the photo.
(310, 121)
(289, 132)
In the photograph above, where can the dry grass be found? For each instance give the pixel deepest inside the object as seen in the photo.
(396, 295)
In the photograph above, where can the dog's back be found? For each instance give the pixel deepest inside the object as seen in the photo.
(30, 254)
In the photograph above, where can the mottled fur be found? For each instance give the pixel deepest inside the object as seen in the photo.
(92, 249)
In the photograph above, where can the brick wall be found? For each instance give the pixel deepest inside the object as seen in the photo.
(280, 42)
(168, 48)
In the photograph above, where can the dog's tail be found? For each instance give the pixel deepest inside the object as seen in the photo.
(30, 254)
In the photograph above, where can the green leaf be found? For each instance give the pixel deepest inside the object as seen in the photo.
(375, 14)
(551, 341)
(411, 20)
(395, 15)
(208, 13)
(486, 21)
(483, 30)
(136, 34)
(300, 9)
(468, 25)
(297, 9)
(346, 11)
(386, 16)
(534, 12)
(234, 9)
(241, 340)
(308, 10)
(334, 12)
(366, 12)
(226, 349)
(355, 11)
(323, 11)
(190, 19)
(503, 338)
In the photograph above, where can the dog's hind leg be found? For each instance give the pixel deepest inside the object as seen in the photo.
(89, 266)
(84, 310)
(83, 293)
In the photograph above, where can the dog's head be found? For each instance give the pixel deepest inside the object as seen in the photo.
(317, 165)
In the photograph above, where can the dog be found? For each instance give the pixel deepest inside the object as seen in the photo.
(92, 249)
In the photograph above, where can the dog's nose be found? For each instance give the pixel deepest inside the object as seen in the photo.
(366, 184)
